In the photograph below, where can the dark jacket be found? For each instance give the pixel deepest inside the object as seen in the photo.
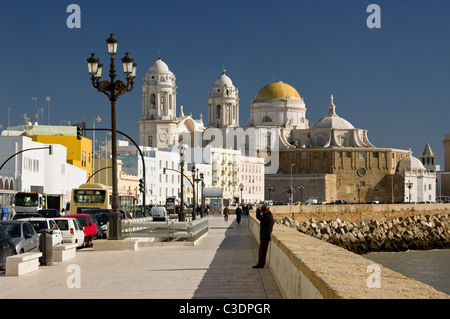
(265, 225)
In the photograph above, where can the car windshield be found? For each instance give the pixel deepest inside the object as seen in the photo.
(26, 199)
(38, 224)
(13, 229)
(63, 224)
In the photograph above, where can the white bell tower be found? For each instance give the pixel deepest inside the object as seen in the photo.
(159, 93)
(223, 103)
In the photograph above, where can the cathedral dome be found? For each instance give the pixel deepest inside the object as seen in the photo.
(332, 120)
(223, 80)
(410, 163)
(159, 67)
(277, 90)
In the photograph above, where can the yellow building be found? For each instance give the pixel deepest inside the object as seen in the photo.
(79, 152)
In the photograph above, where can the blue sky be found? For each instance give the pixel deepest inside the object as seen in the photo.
(393, 81)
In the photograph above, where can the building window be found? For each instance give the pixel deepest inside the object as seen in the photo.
(267, 119)
(362, 155)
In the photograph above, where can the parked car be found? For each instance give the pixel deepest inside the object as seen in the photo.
(25, 215)
(24, 237)
(49, 213)
(140, 214)
(159, 213)
(71, 230)
(89, 225)
(40, 223)
(6, 246)
(101, 215)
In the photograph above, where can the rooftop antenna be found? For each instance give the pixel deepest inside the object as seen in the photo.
(48, 100)
(9, 116)
(34, 111)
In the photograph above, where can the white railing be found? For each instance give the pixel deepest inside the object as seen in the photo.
(171, 229)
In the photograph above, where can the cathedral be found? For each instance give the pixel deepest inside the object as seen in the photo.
(328, 161)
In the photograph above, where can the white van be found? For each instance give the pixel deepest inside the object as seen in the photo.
(159, 214)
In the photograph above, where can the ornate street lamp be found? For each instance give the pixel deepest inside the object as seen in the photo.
(113, 89)
(241, 188)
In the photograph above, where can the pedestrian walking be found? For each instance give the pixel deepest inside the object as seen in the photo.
(265, 229)
(238, 214)
(226, 213)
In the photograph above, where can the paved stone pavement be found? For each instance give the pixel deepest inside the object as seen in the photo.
(219, 266)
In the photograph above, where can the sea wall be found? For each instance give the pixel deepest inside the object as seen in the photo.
(305, 267)
(416, 232)
(355, 213)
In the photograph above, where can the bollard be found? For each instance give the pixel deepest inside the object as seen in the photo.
(46, 247)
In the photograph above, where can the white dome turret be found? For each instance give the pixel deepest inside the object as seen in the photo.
(223, 103)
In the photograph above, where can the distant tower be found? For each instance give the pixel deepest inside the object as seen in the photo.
(159, 120)
(159, 93)
(428, 158)
(223, 103)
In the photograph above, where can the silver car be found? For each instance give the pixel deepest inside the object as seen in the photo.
(24, 237)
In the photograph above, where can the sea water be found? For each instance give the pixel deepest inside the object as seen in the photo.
(431, 267)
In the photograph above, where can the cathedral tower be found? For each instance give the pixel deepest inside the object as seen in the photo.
(223, 103)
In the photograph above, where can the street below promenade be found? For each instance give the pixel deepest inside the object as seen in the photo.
(218, 266)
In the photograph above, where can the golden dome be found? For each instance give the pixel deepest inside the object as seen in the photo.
(277, 90)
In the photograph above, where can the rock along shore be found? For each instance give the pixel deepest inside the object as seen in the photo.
(419, 232)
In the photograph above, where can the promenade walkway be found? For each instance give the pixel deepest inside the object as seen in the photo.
(218, 266)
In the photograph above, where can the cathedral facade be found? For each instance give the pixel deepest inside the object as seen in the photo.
(327, 161)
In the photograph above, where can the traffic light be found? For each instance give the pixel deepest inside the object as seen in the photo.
(141, 185)
(79, 134)
(164, 170)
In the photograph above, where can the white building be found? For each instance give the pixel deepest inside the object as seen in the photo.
(37, 170)
(419, 183)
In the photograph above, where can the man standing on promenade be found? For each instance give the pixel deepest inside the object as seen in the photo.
(265, 229)
(238, 214)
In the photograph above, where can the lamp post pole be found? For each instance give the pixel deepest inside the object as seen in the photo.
(291, 189)
(194, 200)
(301, 193)
(202, 200)
(241, 188)
(181, 218)
(98, 120)
(359, 193)
(113, 89)
(270, 188)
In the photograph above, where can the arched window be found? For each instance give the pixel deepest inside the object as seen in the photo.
(11, 184)
(267, 119)
(153, 101)
(219, 110)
